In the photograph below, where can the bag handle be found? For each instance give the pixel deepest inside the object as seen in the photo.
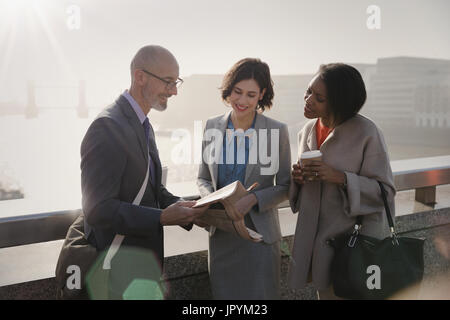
(386, 207)
(118, 238)
(358, 223)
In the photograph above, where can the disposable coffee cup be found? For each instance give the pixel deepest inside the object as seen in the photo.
(309, 156)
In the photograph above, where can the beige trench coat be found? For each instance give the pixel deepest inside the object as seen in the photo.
(326, 210)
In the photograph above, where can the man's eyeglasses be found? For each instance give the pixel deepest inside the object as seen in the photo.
(169, 84)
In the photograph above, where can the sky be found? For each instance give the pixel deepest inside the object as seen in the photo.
(206, 36)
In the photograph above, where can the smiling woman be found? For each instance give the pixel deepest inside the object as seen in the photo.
(241, 269)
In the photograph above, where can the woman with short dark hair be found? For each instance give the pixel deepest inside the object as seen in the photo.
(330, 194)
(245, 69)
(238, 268)
(346, 92)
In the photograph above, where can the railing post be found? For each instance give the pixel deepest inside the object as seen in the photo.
(426, 195)
(31, 111)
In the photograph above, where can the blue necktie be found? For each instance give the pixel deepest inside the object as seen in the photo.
(146, 125)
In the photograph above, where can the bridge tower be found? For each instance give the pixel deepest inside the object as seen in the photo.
(31, 110)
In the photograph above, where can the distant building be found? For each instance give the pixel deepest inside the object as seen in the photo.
(10, 194)
(9, 190)
(197, 100)
(402, 91)
(288, 101)
(432, 99)
(407, 91)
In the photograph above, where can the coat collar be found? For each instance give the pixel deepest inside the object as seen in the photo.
(312, 137)
(221, 126)
(138, 129)
(134, 122)
(260, 123)
(311, 141)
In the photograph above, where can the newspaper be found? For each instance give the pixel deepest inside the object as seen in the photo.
(223, 214)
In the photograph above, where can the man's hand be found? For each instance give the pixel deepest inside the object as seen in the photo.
(181, 213)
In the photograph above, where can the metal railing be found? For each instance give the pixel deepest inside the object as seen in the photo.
(422, 174)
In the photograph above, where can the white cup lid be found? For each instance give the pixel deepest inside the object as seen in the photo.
(311, 154)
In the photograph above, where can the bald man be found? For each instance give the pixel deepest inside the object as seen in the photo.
(117, 152)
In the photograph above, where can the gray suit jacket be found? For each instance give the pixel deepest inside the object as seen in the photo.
(114, 162)
(273, 181)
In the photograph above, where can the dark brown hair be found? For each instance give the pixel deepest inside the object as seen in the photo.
(250, 68)
(346, 92)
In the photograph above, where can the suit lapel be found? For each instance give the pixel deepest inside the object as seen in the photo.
(214, 167)
(312, 138)
(155, 157)
(330, 136)
(260, 123)
(134, 122)
(311, 141)
(146, 150)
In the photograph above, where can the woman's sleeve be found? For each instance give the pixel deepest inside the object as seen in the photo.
(271, 197)
(362, 195)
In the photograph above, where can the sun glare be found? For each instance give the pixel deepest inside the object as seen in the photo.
(33, 18)
(14, 6)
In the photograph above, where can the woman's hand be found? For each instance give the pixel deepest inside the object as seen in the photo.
(318, 170)
(244, 204)
(297, 174)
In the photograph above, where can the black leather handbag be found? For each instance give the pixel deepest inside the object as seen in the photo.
(367, 268)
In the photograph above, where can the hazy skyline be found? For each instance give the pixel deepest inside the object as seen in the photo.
(207, 37)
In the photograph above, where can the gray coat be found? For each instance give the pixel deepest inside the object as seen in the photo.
(272, 188)
(357, 148)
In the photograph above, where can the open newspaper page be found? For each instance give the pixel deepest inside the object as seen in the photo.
(223, 214)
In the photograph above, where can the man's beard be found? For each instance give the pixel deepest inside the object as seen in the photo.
(159, 106)
(156, 104)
